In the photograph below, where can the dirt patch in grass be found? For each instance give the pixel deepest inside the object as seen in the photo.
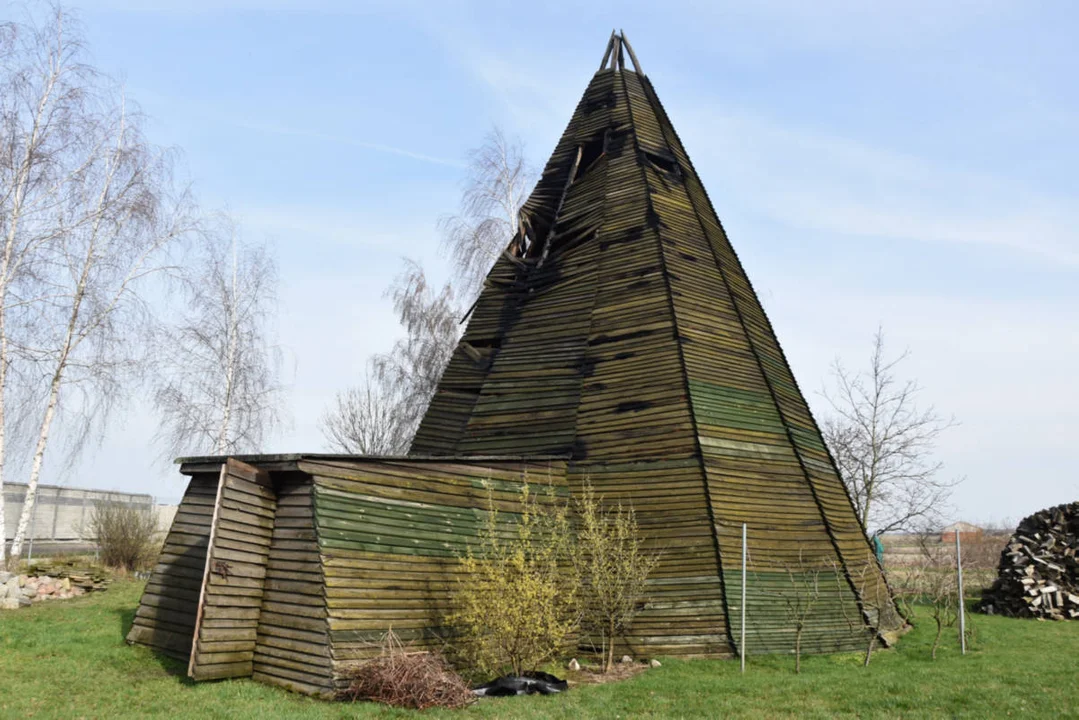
(594, 675)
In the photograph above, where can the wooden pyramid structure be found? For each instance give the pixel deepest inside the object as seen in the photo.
(620, 330)
(617, 341)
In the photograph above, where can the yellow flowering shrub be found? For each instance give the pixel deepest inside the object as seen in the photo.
(516, 603)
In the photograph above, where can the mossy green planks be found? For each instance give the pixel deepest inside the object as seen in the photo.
(621, 332)
(684, 612)
(849, 545)
(165, 618)
(390, 533)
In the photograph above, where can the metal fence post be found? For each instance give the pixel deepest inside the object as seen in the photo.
(742, 641)
(962, 609)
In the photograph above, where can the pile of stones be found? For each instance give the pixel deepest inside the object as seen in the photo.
(18, 591)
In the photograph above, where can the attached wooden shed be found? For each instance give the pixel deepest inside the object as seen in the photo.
(284, 567)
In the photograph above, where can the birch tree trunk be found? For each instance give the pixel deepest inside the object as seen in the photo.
(70, 339)
(47, 420)
(92, 211)
(18, 245)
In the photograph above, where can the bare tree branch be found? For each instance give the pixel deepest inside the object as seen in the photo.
(496, 186)
(218, 389)
(382, 416)
(883, 445)
(364, 421)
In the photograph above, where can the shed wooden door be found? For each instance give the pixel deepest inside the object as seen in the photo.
(232, 583)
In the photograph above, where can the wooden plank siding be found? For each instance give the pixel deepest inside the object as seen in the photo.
(684, 612)
(231, 599)
(292, 648)
(390, 533)
(165, 618)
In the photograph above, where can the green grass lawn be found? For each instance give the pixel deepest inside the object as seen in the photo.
(69, 660)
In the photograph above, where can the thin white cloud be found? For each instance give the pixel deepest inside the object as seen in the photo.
(220, 7)
(810, 180)
(348, 141)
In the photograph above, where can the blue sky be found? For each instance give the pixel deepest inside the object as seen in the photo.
(909, 164)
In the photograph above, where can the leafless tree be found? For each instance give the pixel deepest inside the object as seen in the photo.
(219, 388)
(940, 588)
(497, 183)
(381, 416)
(876, 611)
(410, 372)
(364, 421)
(800, 600)
(90, 214)
(883, 444)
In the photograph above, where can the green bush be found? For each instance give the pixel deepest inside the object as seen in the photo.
(614, 566)
(126, 534)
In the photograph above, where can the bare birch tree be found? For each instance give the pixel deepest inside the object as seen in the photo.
(410, 372)
(497, 184)
(381, 416)
(219, 389)
(89, 215)
(883, 444)
(364, 421)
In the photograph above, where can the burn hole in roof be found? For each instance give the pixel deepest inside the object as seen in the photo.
(591, 152)
(663, 162)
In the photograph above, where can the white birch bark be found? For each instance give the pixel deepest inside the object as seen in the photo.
(70, 340)
(14, 251)
(122, 228)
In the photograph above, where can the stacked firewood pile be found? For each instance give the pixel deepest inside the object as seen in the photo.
(1038, 574)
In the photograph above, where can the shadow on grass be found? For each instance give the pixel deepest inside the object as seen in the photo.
(173, 665)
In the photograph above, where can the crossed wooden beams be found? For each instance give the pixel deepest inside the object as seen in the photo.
(613, 57)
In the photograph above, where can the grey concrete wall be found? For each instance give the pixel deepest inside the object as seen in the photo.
(61, 514)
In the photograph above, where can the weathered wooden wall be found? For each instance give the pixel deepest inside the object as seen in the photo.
(390, 533)
(165, 619)
(623, 333)
(293, 649)
(226, 625)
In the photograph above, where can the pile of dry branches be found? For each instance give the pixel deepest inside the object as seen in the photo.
(400, 678)
(1039, 568)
